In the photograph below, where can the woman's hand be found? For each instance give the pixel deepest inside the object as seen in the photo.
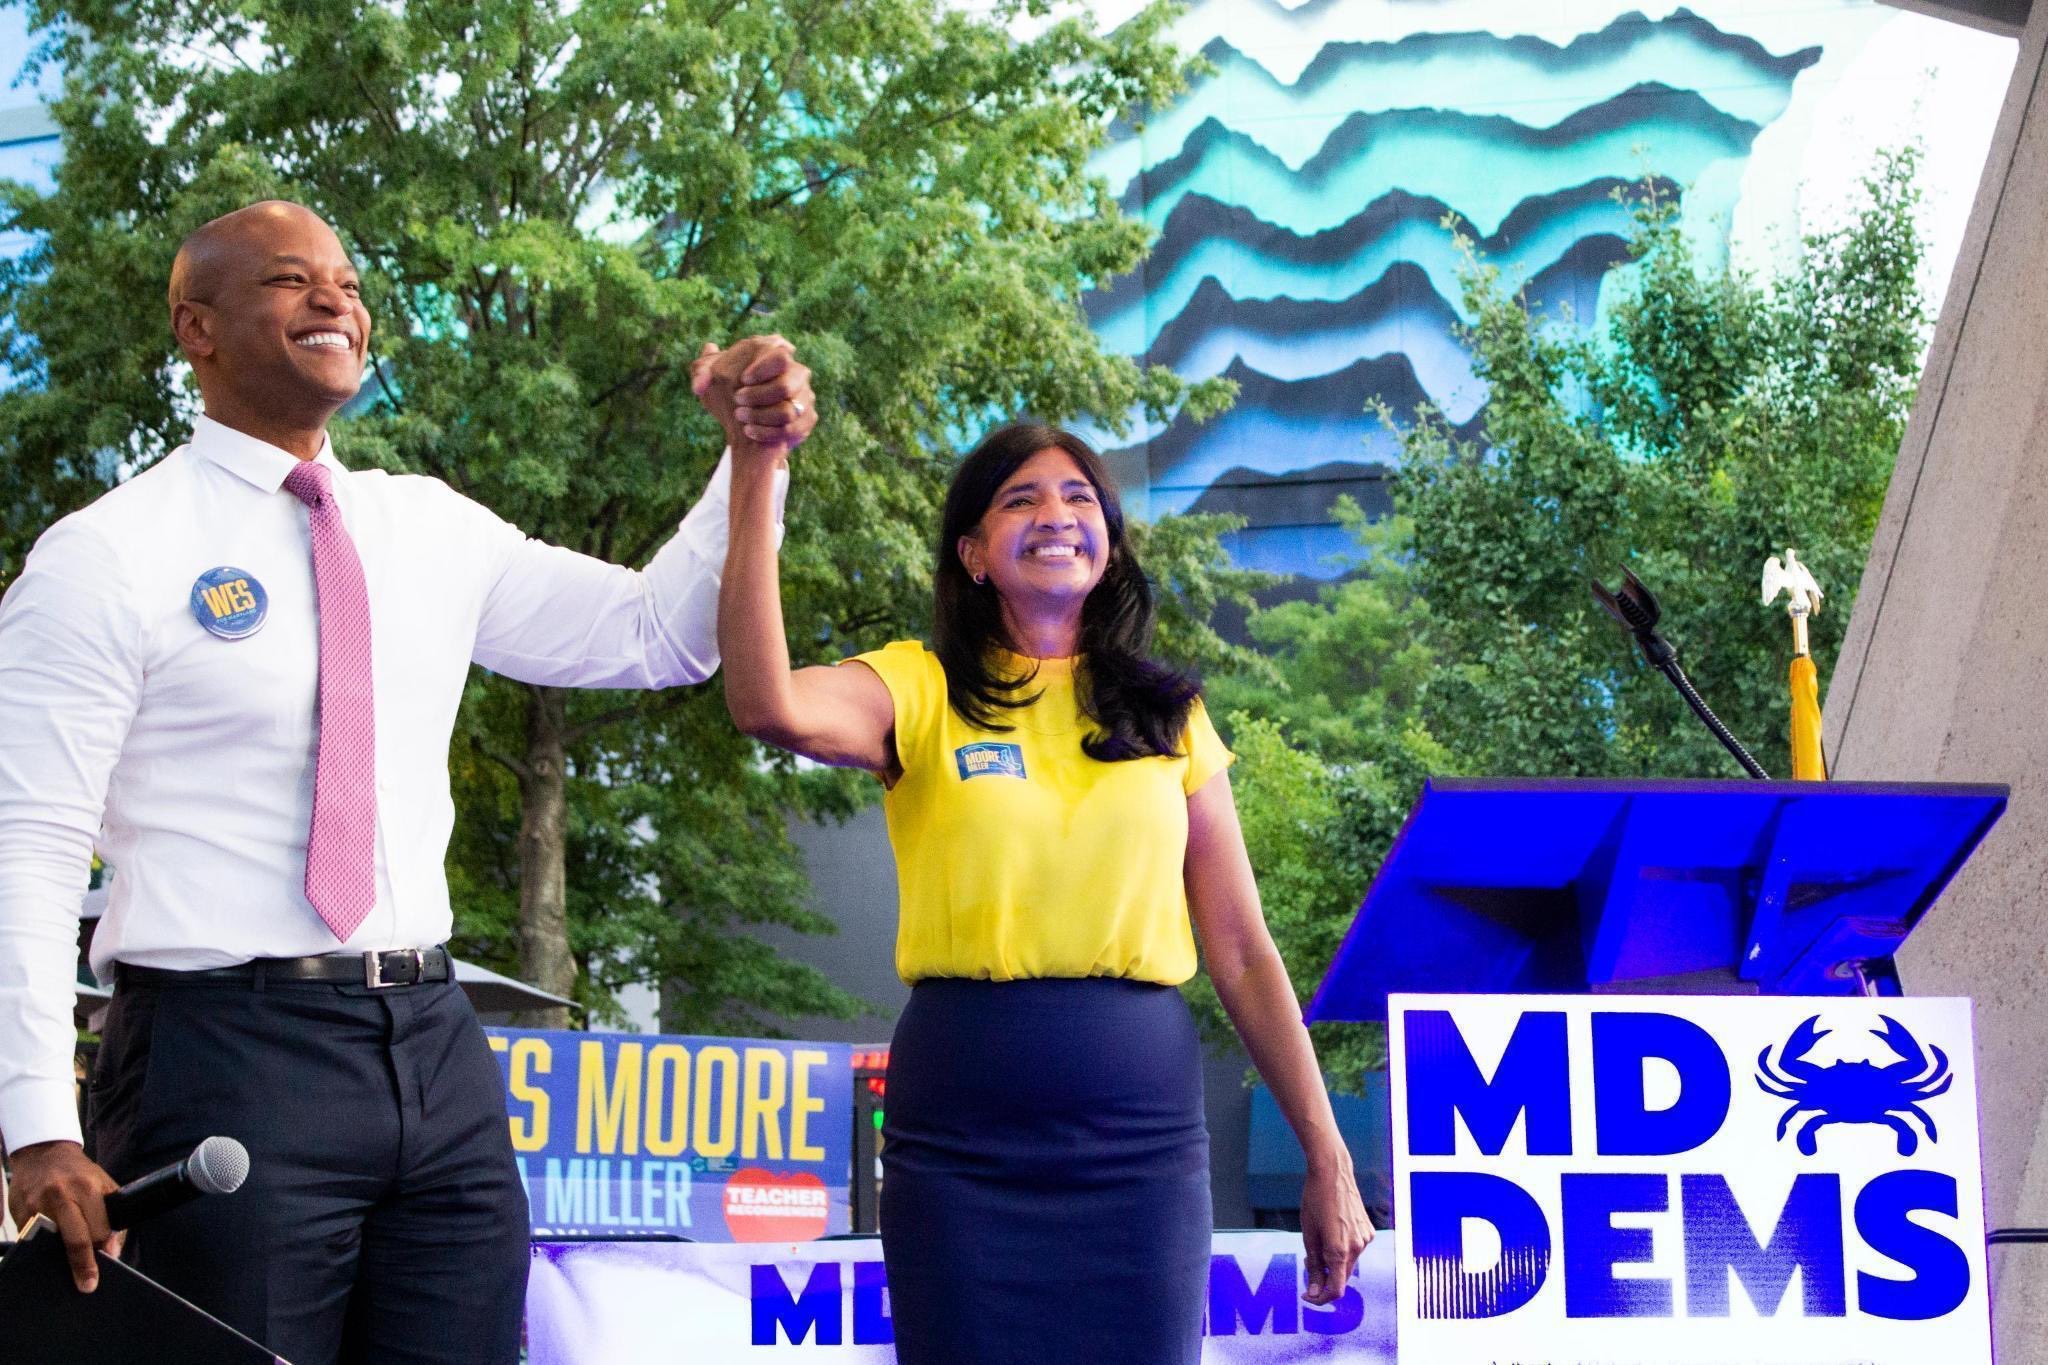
(1334, 1228)
(759, 393)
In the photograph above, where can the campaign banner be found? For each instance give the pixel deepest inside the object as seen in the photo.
(713, 1139)
(600, 1303)
(1791, 1181)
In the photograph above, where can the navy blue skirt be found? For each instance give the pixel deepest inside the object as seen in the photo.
(1045, 1175)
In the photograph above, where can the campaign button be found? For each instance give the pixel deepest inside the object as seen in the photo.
(230, 603)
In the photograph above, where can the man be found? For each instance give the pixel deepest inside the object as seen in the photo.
(239, 672)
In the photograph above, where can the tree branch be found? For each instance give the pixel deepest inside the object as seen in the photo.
(512, 765)
(672, 700)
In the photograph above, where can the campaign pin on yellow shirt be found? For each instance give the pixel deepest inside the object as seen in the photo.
(230, 603)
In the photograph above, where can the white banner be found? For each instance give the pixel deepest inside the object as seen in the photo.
(618, 1303)
(1791, 1181)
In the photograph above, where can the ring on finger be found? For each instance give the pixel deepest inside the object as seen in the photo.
(798, 404)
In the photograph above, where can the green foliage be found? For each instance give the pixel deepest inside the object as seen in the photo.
(1713, 421)
(553, 204)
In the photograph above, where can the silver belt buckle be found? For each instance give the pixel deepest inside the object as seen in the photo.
(373, 969)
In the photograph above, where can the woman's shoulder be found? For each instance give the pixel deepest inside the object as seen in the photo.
(907, 666)
(901, 656)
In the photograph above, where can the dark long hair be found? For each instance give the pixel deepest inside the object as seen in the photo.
(1139, 705)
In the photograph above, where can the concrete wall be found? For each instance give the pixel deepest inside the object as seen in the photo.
(1946, 665)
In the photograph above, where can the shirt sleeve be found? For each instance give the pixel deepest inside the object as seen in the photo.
(1206, 754)
(917, 685)
(70, 682)
(559, 618)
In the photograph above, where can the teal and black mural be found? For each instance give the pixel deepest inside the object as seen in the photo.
(1300, 194)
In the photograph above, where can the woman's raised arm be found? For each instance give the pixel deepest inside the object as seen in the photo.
(841, 716)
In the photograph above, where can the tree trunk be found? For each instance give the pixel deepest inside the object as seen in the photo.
(544, 956)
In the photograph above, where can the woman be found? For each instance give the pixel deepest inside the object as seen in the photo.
(1060, 813)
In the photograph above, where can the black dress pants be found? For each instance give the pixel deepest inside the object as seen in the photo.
(383, 1218)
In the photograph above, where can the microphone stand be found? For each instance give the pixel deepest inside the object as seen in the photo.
(1635, 608)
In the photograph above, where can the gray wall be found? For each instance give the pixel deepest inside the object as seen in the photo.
(1942, 676)
(853, 881)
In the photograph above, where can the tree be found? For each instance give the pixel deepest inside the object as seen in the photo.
(1712, 421)
(553, 203)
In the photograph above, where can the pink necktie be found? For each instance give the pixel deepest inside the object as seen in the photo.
(341, 847)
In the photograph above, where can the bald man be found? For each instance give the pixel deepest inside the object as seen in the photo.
(237, 674)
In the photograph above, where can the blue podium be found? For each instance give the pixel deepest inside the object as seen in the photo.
(1574, 885)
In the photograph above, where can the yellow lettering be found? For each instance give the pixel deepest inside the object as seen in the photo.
(709, 1062)
(605, 1121)
(803, 1104)
(668, 1120)
(216, 602)
(239, 593)
(767, 1088)
(530, 1055)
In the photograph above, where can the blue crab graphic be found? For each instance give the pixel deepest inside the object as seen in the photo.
(1855, 1092)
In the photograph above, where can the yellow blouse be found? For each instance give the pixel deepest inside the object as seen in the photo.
(1017, 855)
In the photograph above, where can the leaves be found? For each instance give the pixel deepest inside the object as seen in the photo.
(1714, 421)
(553, 204)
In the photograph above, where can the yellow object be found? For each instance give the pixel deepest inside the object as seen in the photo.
(1017, 855)
(1807, 764)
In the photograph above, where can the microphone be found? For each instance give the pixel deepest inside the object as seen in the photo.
(1634, 608)
(218, 1165)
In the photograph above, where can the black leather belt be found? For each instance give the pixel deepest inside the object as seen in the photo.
(378, 970)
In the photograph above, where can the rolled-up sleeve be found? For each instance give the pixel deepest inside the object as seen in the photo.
(71, 670)
(555, 617)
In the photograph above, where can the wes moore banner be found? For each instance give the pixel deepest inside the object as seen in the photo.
(1794, 1181)
(713, 1139)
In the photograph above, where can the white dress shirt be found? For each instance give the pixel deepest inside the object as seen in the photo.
(188, 758)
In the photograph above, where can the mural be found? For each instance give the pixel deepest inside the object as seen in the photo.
(1300, 192)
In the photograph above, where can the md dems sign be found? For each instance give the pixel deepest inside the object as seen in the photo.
(827, 1303)
(1687, 1179)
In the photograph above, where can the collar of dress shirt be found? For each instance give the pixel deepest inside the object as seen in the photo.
(259, 462)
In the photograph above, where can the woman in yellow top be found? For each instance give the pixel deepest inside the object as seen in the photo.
(1059, 812)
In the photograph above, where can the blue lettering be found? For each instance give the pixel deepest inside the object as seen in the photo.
(1439, 1202)
(1444, 1081)
(872, 1325)
(1623, 1120)
(1941, 1278)
(1233, 1303)
(816, 1309)
(1807, 1238)
(1593, 1246)
(1340, 1317)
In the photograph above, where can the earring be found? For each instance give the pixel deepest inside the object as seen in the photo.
(980, 579)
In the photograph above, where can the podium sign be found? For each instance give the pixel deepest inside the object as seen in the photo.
(1687, 1180)
(602, 1303)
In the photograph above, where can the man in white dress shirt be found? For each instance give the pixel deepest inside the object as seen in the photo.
(179, 662)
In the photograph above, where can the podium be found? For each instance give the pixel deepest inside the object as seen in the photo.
(43, 1317)
(1599, 1153)
(1589, 884)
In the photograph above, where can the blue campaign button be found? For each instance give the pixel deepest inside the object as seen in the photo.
(230, 603)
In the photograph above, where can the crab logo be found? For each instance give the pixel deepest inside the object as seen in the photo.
(1855, 1092)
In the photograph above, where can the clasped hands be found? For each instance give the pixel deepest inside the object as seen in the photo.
(759, 393)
